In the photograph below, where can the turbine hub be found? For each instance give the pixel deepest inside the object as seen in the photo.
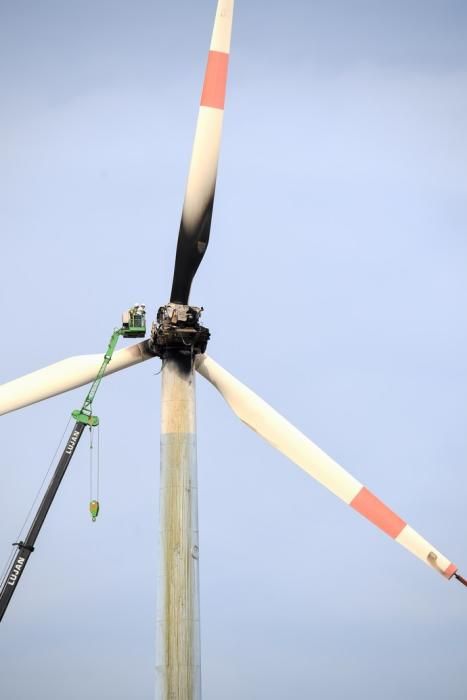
(177, 328)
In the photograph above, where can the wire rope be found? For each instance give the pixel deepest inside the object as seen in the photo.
(94, 466)
(90, 463)
(7, 568)
(18, 538)
(98, 461)
(43, 480)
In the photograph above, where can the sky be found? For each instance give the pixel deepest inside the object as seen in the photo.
(334, 285)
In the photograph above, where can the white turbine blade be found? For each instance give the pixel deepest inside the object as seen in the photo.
(65, 375)
(276, 430)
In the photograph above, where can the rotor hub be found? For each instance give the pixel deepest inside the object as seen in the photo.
(178, 329)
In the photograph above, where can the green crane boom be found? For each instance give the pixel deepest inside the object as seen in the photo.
(133, 326)
(84, 415)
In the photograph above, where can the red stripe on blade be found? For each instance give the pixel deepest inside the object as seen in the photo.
(377, 512)
(450, 571)
(215, 80)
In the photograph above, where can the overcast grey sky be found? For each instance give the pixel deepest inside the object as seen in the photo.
(334, 285)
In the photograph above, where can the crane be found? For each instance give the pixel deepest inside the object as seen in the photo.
(133, 326)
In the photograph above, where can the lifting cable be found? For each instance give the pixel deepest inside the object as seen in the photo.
(7, 568)
(36, 498)
(94, 474)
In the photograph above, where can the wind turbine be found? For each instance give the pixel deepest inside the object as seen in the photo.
(180, 340)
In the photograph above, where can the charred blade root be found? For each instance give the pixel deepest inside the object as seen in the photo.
(178, 329)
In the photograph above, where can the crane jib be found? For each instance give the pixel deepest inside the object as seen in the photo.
(27, 547)
(133, 326)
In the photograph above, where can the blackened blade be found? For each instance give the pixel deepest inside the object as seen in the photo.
(195, 224)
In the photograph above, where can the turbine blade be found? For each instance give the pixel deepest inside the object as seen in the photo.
(65, 375)
(276, 430)
(195, 224)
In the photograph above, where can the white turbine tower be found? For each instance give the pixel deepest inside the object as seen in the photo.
(179, 339)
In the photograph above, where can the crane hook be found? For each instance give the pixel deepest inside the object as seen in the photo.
(94, 510)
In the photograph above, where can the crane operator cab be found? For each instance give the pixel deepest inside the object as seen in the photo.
(134, 322)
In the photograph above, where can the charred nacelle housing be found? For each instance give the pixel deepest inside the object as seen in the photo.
(178, 329)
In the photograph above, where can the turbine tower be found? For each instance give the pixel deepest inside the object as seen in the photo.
(178, 666)
(179, 339)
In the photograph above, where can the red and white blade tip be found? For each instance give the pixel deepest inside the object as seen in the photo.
(276, 430)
